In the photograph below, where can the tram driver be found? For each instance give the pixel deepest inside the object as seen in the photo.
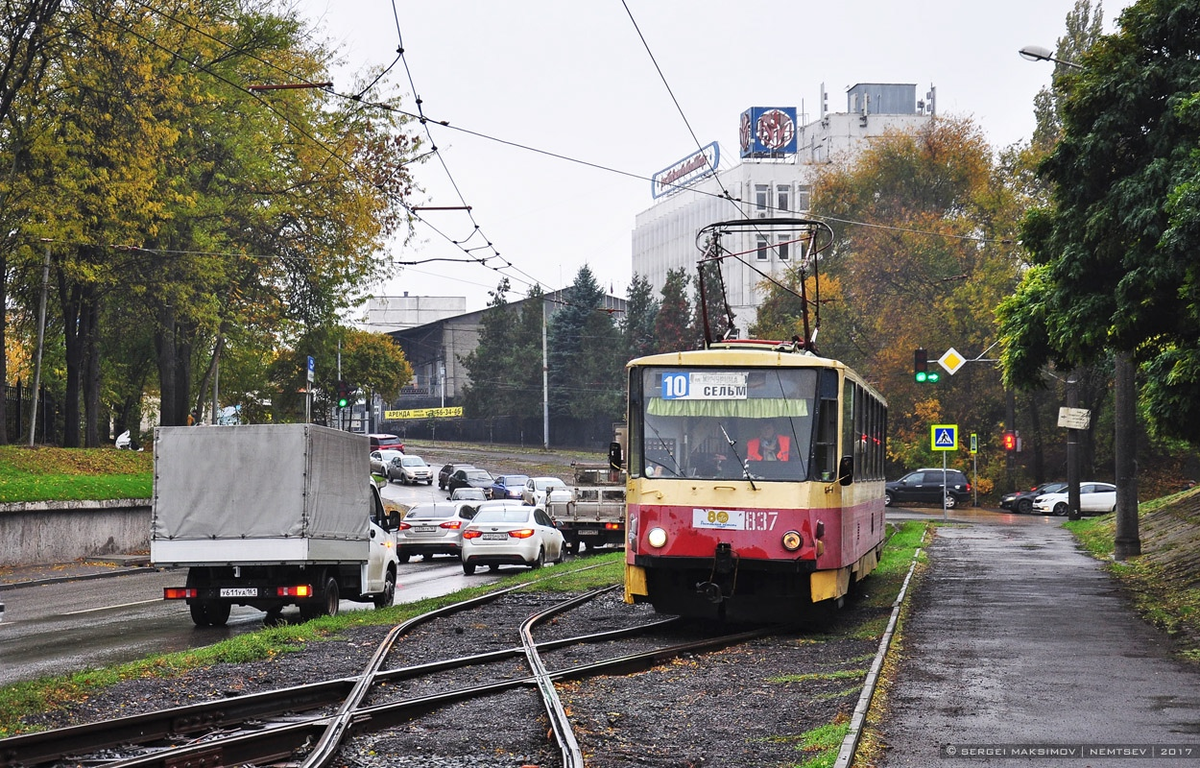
(769, 445)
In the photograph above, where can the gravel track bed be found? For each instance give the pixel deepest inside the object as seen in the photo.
(736, 708)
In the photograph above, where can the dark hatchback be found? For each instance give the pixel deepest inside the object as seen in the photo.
(1022, 501)
(449, 469)
(924, 486)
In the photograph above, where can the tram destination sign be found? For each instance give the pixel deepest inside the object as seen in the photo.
(704, 385)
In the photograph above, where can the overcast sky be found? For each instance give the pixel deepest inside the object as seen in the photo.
(573, 78)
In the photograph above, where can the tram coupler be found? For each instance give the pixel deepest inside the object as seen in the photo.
(723, 561)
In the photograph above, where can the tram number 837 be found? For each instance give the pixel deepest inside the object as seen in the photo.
(734, 520)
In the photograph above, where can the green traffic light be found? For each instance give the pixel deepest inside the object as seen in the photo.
(921, 377)
(932, 377)
(343, 402)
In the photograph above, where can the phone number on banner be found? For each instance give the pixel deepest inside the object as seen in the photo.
(423, 413)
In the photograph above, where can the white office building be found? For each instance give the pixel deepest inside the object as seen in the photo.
(777, 163)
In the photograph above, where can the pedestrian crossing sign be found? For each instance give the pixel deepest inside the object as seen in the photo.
(943, 437)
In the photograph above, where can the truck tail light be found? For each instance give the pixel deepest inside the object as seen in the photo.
(612, 526)
(178, 593)
(300, 590)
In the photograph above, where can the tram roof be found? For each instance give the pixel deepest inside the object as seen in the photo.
(751, 353)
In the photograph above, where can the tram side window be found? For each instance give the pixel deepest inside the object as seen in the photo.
(825, 455)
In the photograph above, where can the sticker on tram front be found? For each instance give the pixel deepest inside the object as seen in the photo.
(734, 519)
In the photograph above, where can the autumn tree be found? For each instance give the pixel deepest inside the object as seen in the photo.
(921, 256)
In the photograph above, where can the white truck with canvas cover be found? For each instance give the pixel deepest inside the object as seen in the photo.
(270, 515)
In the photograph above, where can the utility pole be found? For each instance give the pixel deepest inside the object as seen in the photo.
(1072, 453)
(1127, 543)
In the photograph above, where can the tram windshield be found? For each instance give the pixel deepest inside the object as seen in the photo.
(727, 424)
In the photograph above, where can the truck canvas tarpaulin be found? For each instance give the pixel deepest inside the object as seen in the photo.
(267, 493)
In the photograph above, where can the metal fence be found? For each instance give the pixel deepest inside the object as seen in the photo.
(18, 402)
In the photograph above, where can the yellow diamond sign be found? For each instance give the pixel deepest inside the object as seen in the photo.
(951, 361)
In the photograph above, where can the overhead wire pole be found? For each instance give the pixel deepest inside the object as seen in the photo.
(41, 336)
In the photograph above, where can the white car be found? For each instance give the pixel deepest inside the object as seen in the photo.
(410, 470)
(433, 529)
(1096, 498)
(380, 460)
(511, 534)
(534, 492)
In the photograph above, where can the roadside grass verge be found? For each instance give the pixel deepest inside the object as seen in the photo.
(21, 700)
(74, 474)
(1164, 582)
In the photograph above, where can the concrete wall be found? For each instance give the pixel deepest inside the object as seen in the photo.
(33, 533)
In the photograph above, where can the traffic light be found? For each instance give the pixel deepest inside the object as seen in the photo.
(920, 365)
(1010, 441)
(343, 394)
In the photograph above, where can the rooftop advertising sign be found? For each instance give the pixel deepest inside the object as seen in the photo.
(768, 131)
(687, 171)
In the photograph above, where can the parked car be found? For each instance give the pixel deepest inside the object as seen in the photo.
(511, 534)
(449, 469)
(1096, 498)
(380, 441)
(410, 470)
(508, 486)
(381, 459)
(925, 486)
(534, 492)
(468, 493)
(1022, 501)
(470, 478)
(433, 529)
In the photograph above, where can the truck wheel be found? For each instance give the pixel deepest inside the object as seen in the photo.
(199, 614)
(388, 596)
(218, 613)
(333, 599)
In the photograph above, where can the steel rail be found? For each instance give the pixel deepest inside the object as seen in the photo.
(34, 749)
(559, 723)
(284, 742)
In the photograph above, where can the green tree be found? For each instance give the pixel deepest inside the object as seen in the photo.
(672, 324)
(1114, 259)
(490, 365)
(637, 326)
(584, 347)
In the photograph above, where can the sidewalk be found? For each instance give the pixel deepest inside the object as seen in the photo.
(1020, 650)
(14, 576)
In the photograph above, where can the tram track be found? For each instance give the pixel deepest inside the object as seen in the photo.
(295, 725)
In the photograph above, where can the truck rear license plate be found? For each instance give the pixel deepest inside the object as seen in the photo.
(239, 592)
(494, 536)
(589, 532)
(424, 528)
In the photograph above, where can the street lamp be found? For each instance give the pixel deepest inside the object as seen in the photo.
(1040, 53)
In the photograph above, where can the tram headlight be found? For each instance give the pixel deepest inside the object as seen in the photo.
(792, 541)
(657, 538)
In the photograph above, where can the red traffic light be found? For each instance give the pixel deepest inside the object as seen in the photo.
(1010, 441)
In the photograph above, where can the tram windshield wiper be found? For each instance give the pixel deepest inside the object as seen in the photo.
(733, 449)
(678, 471)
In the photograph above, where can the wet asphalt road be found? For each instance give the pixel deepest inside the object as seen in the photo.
(1020, 645)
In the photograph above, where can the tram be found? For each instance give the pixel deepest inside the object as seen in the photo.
(755, 478)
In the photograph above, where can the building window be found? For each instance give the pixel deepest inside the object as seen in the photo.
(762, 249)
(803, 192)
(762, 195)
(783, 197)
(785, 247)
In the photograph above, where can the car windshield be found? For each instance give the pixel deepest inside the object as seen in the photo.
(511, 480)
(479, 474)
(545, 482)
(413, 461)
(429, 512)
(503, 515)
